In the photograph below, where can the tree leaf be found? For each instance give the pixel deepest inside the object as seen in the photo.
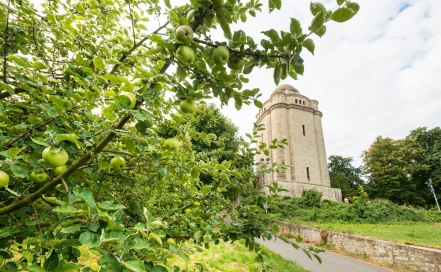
(71, 229)
(317, 22)
(13, 151)
(68, 137)
(38, 65)
(239, 38)
(342, 15)
(110, 206)
(19, 171)
(52, 261)
(257, 103)
(19, 61)
(273, 35)
(316, 7)
(35, 268)
(85, 195)
(277, 73)
(295, 28)
(67, 267)
(167, 4)
(354, 6)
(99, 63)
(181, 73)
(225, 26)
(134, 264)
(321, 31)
(89, 238)
(109, 263)
(309, 44)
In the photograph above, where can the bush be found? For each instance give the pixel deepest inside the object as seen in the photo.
(309, 208)
(310, 198)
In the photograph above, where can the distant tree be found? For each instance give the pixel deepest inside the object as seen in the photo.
(215, 138)
(428, 142)
(344, 175)
(391, 166)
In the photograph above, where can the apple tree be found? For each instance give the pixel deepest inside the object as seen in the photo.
(85, 86)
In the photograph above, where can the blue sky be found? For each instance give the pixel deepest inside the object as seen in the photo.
(377, 74)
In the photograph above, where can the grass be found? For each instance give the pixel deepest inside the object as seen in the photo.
(227, 257)
(224, 257)
(413, 233)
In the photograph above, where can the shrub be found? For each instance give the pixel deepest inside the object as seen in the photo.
(310, 198)
(309, 208)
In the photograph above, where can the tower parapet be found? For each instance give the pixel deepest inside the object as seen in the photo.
(289, 115)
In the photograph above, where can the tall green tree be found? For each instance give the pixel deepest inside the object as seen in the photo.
(344, 175)
(390, 165)
(91, 81)
(428, 142)
(399, 169)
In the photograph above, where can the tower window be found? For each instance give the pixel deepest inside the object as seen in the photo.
(303, 128)
(307, 173)
(303, 102)
(296, 101)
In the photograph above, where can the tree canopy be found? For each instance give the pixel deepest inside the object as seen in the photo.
(399, 169)
(86, 87)
(344, 175)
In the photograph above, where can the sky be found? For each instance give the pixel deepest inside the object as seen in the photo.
(377, 74)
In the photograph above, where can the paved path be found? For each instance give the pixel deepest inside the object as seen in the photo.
(331, 262)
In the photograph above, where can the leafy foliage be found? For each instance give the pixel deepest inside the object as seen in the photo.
(344, 176)
(97, 80)
(398, 169)
(361, 210)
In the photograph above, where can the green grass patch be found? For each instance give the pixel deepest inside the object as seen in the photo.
(227, 257)
(413, 233)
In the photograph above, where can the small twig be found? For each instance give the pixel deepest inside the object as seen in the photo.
(29, 131)
(38, 220)
(65, 184)
(5, 47)
(123, 57)
(118, 152)
(248, 53)
(132, 21)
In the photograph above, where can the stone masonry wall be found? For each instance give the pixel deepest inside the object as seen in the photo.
(412, 258)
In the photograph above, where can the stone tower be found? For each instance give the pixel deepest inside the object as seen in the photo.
(292, 116)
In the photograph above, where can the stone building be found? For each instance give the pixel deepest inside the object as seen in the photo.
(292, 116)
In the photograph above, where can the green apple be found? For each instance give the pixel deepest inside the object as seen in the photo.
(196, 203)
(131, 97)
(187, 211)
(118, 162)
(221, 55)
(59, 170)
(55, 157)
(172, 143)
(236, 63)
(171, 241)
(185, 54)
(38, 178)
(184, 34)
(188, 106)
(4, 179)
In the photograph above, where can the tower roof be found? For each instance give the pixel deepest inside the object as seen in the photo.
(285, 88)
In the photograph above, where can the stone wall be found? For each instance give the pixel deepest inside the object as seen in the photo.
(412, 258)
